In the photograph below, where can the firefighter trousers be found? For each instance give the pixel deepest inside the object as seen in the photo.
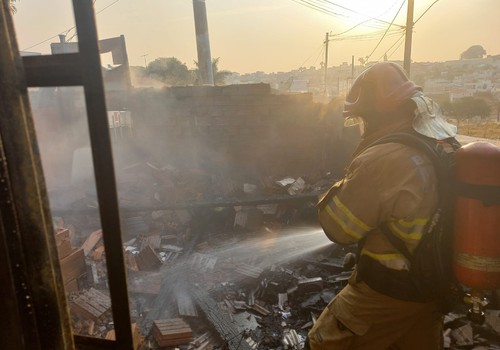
(359, 318)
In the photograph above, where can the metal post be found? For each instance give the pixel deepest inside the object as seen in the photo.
(203, 42)
(102, 156)
(408, 36)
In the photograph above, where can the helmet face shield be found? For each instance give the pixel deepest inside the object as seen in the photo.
(429, 120)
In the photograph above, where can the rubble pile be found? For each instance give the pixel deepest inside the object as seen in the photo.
(144, 185)
(236, 290)
(244, 274)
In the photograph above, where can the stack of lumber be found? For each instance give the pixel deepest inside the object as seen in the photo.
(172, 332)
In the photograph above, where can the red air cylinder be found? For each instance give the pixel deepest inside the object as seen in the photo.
(476, 260)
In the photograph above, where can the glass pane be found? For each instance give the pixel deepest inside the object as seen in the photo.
(44, 28)
(63, 139)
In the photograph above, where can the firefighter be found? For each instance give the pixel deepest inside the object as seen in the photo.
(385, 184)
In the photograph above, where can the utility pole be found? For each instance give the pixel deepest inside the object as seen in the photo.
(350, 80)
(408, 36)
(352, 67)
(202, 42)
(326, 60)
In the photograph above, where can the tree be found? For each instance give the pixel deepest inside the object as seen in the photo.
(468, 107)
(481, 108)
(475, 51)
(219, 76)
(170, 71)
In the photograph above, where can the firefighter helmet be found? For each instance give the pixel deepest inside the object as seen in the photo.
(380, 88)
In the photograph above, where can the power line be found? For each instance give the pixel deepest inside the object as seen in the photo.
(324, 7)
(397, 41)
(370, 36)
(52, 37)
(370, 55)
(316, 7)
(400, 41)
(106, 7)
(425, 11)
(321, 49)
(65, 32)
(353, 11)
(368, 20)
(397, 47)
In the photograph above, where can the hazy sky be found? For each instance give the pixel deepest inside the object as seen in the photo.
(272, 35)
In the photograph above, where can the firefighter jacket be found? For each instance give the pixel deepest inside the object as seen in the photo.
(391, 184)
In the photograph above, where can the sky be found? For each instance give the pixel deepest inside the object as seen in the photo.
(273, 35)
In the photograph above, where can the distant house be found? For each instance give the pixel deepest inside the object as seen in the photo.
(299, 86)
(460, 93)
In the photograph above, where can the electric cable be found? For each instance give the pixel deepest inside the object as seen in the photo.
(321, 50)
(400, 39)
(319, 5)
(353, 11)
(369, 36)
(397, 47)
(65, 32)
(425, 12)
(378, 44)
(368, 20)
(386, 51)
(315, 7)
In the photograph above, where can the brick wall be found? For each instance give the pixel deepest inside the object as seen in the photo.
(243, 129)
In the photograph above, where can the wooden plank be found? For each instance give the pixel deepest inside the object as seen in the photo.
(147, 259)
(73, 265)
(172, 332)
(74, 285)
(91, 304)
(71, 286)
(91, 241)
(98, 253)
(135, 335)
(63, 243)
(170, 321)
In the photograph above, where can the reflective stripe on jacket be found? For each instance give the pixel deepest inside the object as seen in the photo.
(387, 183)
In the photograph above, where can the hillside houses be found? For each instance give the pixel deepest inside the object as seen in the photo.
(450, 79)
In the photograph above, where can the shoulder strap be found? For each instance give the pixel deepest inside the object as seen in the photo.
(432, 149)
(396, 242)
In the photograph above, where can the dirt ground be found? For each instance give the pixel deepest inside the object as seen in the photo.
(488, 130)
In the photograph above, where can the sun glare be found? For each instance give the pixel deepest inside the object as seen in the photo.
(357, 11)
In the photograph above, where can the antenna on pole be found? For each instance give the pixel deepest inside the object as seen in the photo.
(144, 56)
